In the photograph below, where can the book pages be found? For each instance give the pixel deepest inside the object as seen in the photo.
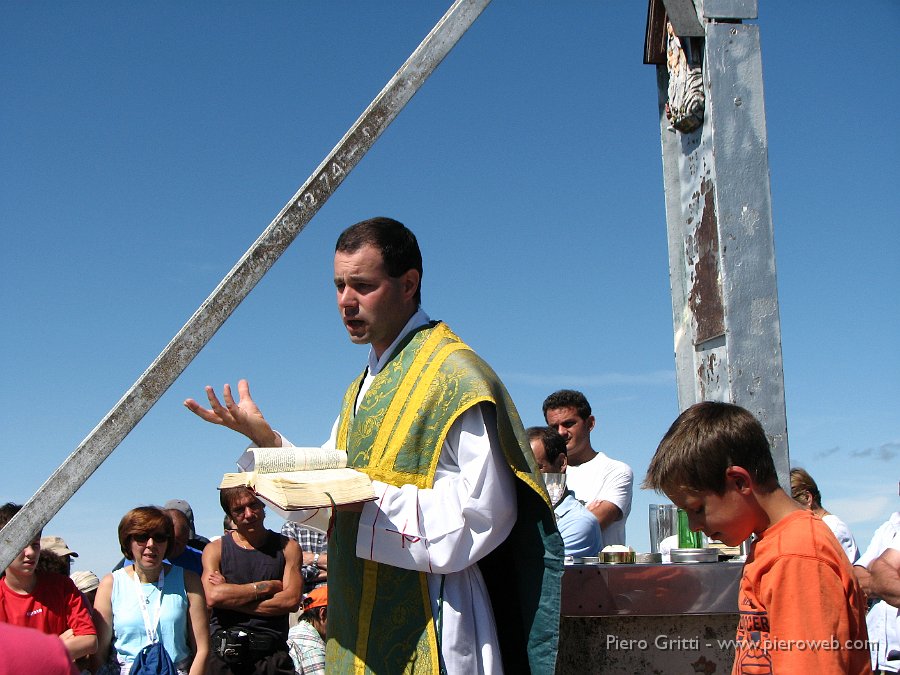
(277, 460)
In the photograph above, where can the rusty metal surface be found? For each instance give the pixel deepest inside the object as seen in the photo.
(650, 590)
(238, 283)
(702, 253)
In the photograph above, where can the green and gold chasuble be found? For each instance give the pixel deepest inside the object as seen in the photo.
(379, 616)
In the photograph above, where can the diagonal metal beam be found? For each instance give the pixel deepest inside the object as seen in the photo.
(238, 283)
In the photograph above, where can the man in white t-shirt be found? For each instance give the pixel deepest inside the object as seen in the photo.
(603, 484)
(878, 571)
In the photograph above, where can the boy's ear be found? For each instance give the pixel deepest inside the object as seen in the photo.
(740, 478)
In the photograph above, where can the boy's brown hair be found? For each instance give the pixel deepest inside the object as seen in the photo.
(7, 511)
(703, 442)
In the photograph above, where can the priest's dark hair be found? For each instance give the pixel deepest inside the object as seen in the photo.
(397, 244)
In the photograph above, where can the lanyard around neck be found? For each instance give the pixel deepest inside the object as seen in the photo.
(143, 602)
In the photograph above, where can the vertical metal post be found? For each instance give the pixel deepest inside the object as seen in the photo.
(719, 218)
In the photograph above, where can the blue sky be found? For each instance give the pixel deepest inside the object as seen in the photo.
(146, 145)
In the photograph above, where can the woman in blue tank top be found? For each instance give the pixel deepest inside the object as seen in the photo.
(151, 600)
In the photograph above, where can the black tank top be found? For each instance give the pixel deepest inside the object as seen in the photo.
(243, 566)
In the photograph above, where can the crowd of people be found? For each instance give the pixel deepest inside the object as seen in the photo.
(456, 566)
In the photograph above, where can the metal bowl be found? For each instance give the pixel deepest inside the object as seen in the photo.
(617, 557)
(694, 555)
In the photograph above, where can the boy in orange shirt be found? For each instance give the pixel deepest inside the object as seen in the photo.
(801, 608)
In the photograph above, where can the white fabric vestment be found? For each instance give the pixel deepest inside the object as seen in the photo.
(602, 478)
(883, 620)
(443, 531)
(844, 536)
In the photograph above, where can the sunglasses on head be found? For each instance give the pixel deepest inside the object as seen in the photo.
(143, 537)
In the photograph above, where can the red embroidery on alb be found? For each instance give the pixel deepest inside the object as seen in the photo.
(372, 538)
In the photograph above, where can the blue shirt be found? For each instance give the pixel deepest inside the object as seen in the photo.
(129, 633)
(191, 559)
(579, 528)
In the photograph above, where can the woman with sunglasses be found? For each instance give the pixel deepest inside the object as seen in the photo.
(152, 600)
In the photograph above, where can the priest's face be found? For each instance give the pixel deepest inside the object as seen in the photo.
(374, 306)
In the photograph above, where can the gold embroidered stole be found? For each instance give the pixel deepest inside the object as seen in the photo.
(380, 618)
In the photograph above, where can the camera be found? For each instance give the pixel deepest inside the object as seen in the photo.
(233, 646)
(309, 573)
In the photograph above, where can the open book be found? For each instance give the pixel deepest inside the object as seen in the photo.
(300, 478)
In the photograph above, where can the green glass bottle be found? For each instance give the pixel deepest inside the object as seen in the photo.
(686, 538)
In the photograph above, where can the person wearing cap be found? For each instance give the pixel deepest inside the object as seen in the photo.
(48, 602)
(87, 583)
(181, 552)
(195, 540)
(58, 546)
(307, 639)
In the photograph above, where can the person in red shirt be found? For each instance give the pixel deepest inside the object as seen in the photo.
(48, 602)
(26, 650)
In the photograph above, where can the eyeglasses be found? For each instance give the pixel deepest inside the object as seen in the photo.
(143, 537)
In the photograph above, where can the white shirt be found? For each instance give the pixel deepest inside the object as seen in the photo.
(844, 536)
(883, 620)
(446, 529)
(604, 479)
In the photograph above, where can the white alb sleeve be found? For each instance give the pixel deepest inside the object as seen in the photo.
(468, 513)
